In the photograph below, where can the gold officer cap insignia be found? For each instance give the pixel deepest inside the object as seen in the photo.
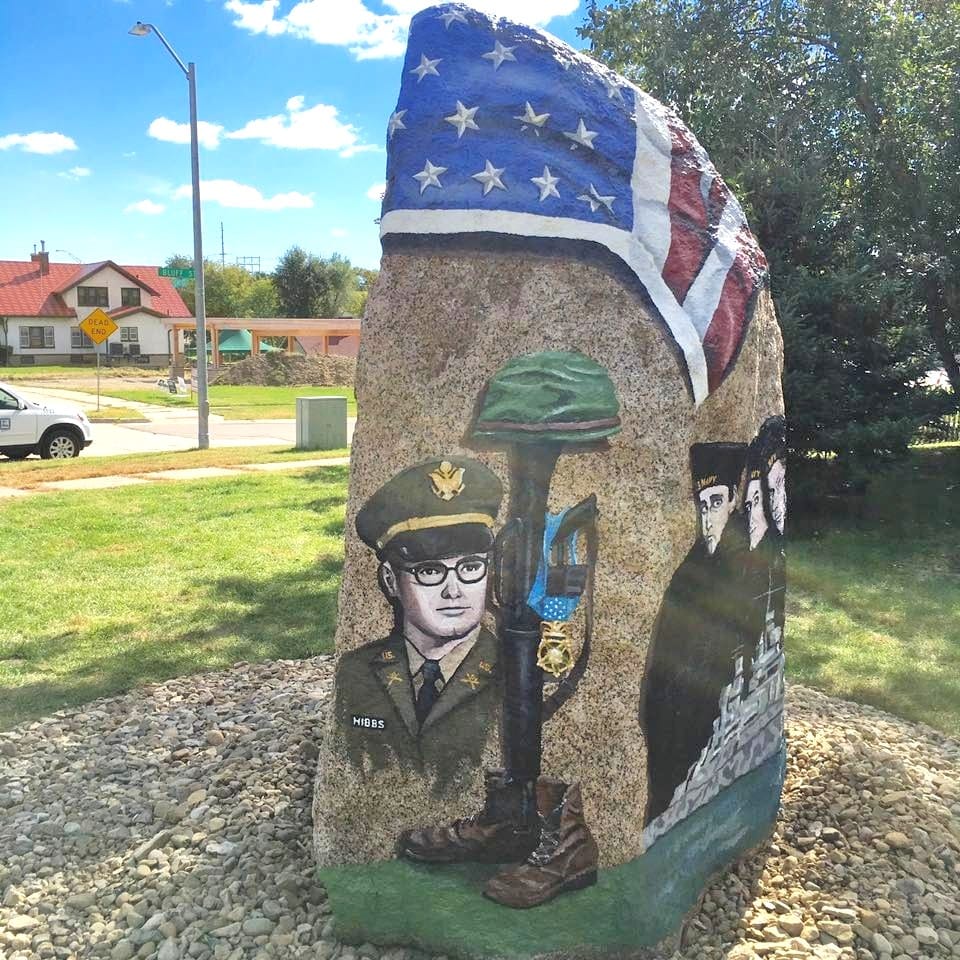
(447, 480)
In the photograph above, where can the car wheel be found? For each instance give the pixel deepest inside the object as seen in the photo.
(60, 445)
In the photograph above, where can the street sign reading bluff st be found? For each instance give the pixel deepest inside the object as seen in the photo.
(98, 325)
(179, 273)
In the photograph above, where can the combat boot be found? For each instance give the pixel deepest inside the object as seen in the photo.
(506, 830)
(565, 859)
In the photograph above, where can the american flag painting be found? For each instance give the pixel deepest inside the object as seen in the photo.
(503, 129)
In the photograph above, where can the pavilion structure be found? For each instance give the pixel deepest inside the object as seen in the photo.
(260, 327)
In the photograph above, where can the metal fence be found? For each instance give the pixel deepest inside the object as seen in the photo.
(950, 430)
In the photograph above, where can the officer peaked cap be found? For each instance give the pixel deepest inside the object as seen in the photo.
(436, 508)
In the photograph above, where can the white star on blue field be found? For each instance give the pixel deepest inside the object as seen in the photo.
(297, 99)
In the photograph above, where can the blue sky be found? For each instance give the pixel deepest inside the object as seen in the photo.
(294, 96)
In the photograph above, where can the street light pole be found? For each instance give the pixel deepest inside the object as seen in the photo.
(203, 404)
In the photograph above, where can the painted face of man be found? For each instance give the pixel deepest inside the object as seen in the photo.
(777, 491)
(715, 505)
(442, 600)
(753, 507)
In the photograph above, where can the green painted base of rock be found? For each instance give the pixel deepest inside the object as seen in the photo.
(632, 906)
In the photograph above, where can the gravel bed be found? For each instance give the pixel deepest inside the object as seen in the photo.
(174, 822)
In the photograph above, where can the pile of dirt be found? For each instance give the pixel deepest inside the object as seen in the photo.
(283, 369)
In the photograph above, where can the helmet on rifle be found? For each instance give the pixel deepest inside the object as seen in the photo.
(550, 397)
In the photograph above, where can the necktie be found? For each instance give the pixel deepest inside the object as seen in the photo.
(428, 691)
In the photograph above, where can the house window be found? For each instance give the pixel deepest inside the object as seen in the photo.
(129, 335)
(130, 296)
(92, 297)
(79, 340)
(36, 338)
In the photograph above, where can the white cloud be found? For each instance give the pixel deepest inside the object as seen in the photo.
(316, 128)
(148, 207)
(256, 17)
(369, 35)
(38, 142)
(129, 154)
(377, 191)
(338, 232)
(229, 193)
(75, 173)
(208, 134)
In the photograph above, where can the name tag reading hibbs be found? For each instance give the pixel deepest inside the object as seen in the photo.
(368, 723)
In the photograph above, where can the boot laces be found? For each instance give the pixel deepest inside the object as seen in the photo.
(549, 839)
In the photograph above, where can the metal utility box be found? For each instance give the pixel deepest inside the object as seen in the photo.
(321, 423)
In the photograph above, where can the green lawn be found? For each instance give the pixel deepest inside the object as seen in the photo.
(146, 583)
(874, 596)
(240, 403)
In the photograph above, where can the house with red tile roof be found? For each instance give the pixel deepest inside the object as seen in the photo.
(42, 305)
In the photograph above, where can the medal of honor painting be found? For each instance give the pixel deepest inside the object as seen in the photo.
(558, 705)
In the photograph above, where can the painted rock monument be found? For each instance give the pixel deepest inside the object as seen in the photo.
(559, 688)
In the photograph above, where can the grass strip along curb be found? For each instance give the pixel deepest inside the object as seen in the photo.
(29, 474)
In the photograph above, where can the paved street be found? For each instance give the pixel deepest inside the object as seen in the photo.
(169, 428)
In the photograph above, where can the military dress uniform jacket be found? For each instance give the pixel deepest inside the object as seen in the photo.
(698, 632)
(376, 717)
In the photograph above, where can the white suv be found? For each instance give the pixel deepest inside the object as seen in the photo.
(56, 432)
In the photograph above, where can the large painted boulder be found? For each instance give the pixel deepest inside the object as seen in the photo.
(559, 689)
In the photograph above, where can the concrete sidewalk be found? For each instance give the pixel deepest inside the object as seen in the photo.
(166, 476)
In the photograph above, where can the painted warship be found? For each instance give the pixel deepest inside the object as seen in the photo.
(748, 730)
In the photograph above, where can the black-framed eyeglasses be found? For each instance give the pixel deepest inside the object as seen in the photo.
(431, 573)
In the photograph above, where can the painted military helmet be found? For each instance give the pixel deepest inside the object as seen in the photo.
(550, 397)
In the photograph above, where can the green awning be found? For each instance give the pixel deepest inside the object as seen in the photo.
(238, 341)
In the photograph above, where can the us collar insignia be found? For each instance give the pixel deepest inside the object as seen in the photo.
(393, 677)
(472, 681)
(447, 481)
(485, 666)
(388, 655)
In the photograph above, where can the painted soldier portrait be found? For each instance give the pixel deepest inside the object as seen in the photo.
(427, 694)
(765, 506)
(773, 434)
(698, 629)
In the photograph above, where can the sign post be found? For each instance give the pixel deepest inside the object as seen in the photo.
(98, 325)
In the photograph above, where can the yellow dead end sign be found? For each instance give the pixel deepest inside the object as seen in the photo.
(98, 325)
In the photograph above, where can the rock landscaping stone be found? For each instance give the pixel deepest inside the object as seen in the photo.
(842, 757)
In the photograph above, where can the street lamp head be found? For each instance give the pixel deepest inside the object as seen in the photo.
(140, 29)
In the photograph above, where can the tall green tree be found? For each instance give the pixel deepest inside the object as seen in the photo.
(293, 279)
(310, 286)
(229, 291)
(780, 95)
